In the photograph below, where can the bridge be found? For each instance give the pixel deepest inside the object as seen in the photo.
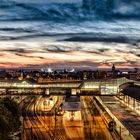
(85, 87)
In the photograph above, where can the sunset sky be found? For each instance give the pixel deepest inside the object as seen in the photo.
(69, 55)
(88, 35)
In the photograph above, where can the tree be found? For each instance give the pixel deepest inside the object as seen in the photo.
(10, 105)
(9, 116)
(4, 123)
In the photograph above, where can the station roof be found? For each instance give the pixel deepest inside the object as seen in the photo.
(71, 103)
(72, 99)
(64, 84)
(28, 80)
(72, 106)
(132, 91)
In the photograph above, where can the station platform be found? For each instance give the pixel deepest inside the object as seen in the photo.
(128, 118)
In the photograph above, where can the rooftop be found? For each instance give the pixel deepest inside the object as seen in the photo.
(132, 90)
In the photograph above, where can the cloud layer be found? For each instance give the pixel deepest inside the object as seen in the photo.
(69, 54)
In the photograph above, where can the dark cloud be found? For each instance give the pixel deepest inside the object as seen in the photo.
(94, 52)
(97, 51)
(117, 39)
(57, 49)
(138, 55)
(60, 48)
(24, 53)
(28, 56)
(121, 51)
(132, 62)
(103, 50)
(18, 50)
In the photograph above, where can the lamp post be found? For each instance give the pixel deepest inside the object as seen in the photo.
(55, 119)
(22, 120)
(49, 123)
(44, 111)
(90, 125)
(34, 105)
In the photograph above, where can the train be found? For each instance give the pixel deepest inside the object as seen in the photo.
(108, 120)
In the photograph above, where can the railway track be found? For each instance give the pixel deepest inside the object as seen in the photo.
(35, 121)
(96, 125)
(33, 130)
(41, 126)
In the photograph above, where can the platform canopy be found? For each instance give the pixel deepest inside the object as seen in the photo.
(71, 103)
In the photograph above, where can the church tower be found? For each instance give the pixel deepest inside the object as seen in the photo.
(113, 68)
(20, 73)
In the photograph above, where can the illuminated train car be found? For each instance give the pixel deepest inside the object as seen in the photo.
(105, 116)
